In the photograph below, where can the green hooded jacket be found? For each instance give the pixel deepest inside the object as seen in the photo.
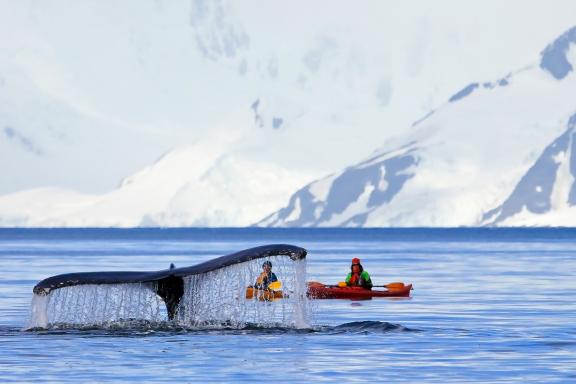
(365, 280)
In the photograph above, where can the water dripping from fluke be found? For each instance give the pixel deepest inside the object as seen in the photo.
(211, 295)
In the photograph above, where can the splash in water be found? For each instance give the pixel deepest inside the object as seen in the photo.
(212, 299)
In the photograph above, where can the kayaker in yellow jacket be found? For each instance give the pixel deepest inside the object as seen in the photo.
(266, 277)
(358, 276)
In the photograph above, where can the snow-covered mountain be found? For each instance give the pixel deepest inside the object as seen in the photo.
(500, 152)
(45, 139)
(205, 184)
(91, 92)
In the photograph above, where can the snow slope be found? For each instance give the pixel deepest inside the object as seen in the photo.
(134, 79)
(497, 153)
(205, 184)
(92, 92)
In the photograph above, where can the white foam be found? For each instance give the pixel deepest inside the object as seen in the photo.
(39, 314)
(218, 297)
(213, 299)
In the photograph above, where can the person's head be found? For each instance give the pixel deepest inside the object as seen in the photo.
(356, 267)
(267, 266)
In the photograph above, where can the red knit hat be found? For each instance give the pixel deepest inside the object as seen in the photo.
(355, 260)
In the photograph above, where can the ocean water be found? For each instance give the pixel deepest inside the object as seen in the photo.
(489, 305)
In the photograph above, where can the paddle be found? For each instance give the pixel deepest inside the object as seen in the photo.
(389, 286)
(275, 285)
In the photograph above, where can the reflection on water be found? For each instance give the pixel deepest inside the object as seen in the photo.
(488, 306)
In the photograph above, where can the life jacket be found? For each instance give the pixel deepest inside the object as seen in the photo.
(356, 279)
(264, 279)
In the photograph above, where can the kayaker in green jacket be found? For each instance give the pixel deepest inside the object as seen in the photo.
(358, 276)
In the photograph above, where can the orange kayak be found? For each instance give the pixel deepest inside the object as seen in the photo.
(263, 294)
(318, 290)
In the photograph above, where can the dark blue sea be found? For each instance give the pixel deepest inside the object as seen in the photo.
(488, 305)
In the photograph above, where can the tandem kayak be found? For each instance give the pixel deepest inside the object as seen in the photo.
(318, 290)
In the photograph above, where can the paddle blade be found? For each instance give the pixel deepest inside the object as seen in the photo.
(342, 284)
(275, 285)
(393, 286)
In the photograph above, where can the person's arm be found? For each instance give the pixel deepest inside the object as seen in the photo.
(259, 281)
(367, 280)
(348, 278)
